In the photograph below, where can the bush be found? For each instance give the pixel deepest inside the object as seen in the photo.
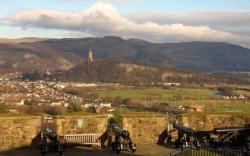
(91, 109)
(33, 110)
(117, 100)
(3, 108)
(75, 107)
(226, 91)
(30, 102)
(126, 101)
(54, 110)
(115, 120)
(161, 107)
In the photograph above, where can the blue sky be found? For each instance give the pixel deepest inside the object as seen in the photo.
(10, 6)
(202, 16)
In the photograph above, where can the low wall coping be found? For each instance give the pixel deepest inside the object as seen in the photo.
(19, 117)
(144, 115)
(215, 115)
(81, 116)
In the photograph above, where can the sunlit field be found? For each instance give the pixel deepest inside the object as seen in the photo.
(180, 96)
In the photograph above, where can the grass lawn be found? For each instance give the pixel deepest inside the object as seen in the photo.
(215, 105)
(243, 92)
(190, 96)
(158, 93)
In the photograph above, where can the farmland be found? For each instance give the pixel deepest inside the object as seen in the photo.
(175, 96)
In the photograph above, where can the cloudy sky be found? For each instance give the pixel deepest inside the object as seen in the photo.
(152, 20)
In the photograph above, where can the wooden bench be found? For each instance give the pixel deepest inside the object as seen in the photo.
(83, 139)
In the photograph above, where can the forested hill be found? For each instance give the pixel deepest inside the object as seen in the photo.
(63, 54)
(130, 73)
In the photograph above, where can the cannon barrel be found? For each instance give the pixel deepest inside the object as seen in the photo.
(183, 128)
(119, 131)
(125, 142)
(50, 134)
(230, 129)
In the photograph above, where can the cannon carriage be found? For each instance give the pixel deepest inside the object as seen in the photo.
(236, 137)
(186, 137)
(51, 142)
(223, 138)
(122, 140)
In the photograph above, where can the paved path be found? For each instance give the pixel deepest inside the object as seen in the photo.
(142, 150)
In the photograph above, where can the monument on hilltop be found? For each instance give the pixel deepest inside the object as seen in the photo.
(90, 56)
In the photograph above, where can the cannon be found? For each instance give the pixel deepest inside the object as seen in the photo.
(50, 142)
(122, 139)
(186, 137)
(231, 129)
(238, 137)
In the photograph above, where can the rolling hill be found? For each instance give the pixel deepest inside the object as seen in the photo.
(63, 54)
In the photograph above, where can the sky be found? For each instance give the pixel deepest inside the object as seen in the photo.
(151, 20)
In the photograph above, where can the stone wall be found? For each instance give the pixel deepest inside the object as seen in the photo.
(16, 132)
(81, 124)
(145, 129)
(209, 122)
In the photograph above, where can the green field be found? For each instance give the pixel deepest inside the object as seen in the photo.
(159, 94)
(179, 96)
(242, 92)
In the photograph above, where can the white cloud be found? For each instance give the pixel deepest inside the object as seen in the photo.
(109, 1)
(234, 22)
(119, 1)
(103, 19)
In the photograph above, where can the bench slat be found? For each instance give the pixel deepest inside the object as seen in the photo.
(85, 139)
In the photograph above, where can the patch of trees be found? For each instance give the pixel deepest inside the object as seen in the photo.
(108, 71)
(3, 108)
(113, 72)
(38, 110)
(35, 76)
(226, 91)
(75, 107)
(87, 93)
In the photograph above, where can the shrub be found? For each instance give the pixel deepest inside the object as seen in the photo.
(75, 107)
(54, 110)
(3, 108)
(118, 100)
(33, 110)
(126, 101)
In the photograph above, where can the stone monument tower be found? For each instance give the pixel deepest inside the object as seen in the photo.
(90, 56)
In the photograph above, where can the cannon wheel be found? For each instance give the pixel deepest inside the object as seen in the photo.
(61, 153)
(118, 151)
(132, 147)
(133, 150)
(117, 148)
(113, 146)
(43, 148)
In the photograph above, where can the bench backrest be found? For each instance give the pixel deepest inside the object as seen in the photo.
(82, 138)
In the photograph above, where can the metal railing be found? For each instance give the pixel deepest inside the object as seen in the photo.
(209, 152)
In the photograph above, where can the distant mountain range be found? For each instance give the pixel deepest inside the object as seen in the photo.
(62, 54)
(20, 40)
